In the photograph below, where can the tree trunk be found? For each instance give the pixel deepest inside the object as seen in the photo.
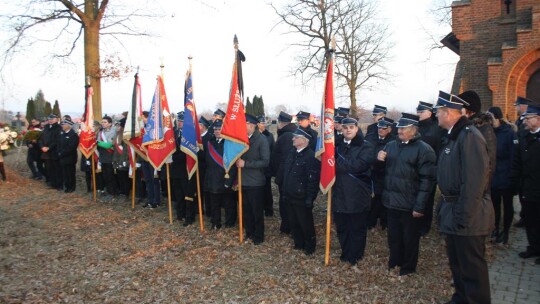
(92, 68)
(354, 108)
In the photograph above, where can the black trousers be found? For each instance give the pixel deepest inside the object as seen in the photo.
(253, 214)
(33, 159)
(378, 212)
(506, 197)
(403, 240)
(68, 174)
(469, 268)
(284, 227)
(531, 212)
(54, 173)
(268, 197)
(352, 233)
(185, 206)
(124, 182)
(427, 219)
(99, 181)
(222, 200)
(153, 193)
(302, 226)
(109, 178)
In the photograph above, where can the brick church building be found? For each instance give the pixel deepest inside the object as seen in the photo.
(498, 42)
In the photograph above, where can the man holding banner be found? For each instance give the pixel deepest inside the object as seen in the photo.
(254, 163)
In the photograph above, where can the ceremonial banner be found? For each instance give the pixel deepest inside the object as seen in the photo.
(87, 138)
(191, 133)
(158, 138)
(325, 139)
(234, 129)
(134, 128)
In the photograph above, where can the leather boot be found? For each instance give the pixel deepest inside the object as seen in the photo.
(502, 238)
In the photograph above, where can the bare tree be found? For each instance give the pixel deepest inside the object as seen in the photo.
(362, 46)
(69, 20)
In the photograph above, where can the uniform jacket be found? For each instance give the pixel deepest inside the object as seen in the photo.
(463, 178)
(215, 181)
(120, 159)
(491, 140)
(300, 177)
(352, 190)
(271, 142)
(371, 134)
(431, 133)
(410, 174)
(282, 147)
(377, 170)
(50, 138)
(506, 145)
(257, 158)
(67, 147)
(526, 167)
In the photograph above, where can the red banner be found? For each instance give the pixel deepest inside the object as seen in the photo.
(87, 137)
(328, 168)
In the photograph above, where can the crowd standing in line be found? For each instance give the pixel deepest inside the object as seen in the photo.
(388, 178)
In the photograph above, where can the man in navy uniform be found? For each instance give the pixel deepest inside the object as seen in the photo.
(282, 148)
(378, 113)
(300, 180)
(304, 123)
(67, 153)
(466, 215)
(526, 178)
(351, 195)
(378, 212)
(521, 105)
(410, 175)
(206, 135)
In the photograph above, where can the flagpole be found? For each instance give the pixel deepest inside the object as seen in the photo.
(240, 217)
(201, 220)
(94, 177)
(328, 227)
(133, 177)
(169, 194)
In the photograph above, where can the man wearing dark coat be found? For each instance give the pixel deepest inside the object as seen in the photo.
(521, 105)
(351, 195)
(268, 197)
(410, 175)
(300, 180)
(184, 189)
(67, 154)
(282, 148)
(48, 143)
(378, 113)
(465, 213)
(304, 123)
(253, 164)
(206, 135)
(526, 178)
(218, 187)
(431, 134)
(378, 211)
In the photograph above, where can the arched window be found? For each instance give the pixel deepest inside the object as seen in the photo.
(533, 86)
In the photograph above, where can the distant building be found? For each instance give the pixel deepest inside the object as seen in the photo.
(498, 42)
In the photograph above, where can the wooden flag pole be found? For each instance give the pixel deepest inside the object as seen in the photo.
(133, 178)
(169, 194)
(240, 217)
(94, 178)
(328, 228)
(201, 218)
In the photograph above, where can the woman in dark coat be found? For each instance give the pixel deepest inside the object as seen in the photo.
(501, 187)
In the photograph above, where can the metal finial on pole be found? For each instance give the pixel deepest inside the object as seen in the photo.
(333, 43)
(235, 41)
(88, 80)
(161, 65)
(190, 58)
(138, 69)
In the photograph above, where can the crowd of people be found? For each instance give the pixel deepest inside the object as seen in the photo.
(387, 178)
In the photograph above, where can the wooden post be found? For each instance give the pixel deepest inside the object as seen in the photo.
(240, 217)
(133, 178)
(94, 177)
(169, 194)
(328, 228)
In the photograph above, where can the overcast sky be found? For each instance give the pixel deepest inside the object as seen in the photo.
(205, 30)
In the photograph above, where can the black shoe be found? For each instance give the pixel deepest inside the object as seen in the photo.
(495, 233)
(520, 223)
(502, 238)
(528, 254)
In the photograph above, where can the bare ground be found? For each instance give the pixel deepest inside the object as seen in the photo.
(66, 248)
